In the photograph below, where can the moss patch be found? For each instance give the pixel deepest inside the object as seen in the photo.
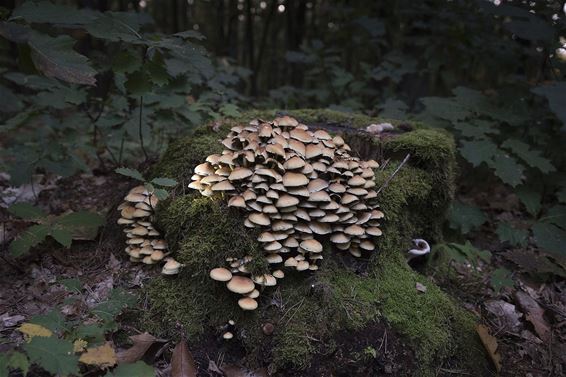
(308, 310)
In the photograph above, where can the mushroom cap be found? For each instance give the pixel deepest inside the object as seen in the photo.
(239, 173)
(240, 284)
(259, 219)
(220, 274)
(312, 246)
(237, 201)
(294, 179)
(247, 303)
(302, 265)
(266, 237)
(171, 267)
(253, 294)
(291, 262)
(354, 230)
(204, 169)
(157, 255)
(317, 185)
(273, 258)
(286, 200)
(279, 274)
(227, 335)
(374, 231)
(294, 162)
(339, 238)
(135, 198)
(223, 186)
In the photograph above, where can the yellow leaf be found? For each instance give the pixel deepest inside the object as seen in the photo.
(490, 344)
(79, 345)
(102, 356)
(31, 329)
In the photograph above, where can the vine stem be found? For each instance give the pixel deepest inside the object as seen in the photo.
(140, 129)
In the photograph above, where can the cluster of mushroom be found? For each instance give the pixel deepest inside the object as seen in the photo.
(143, 240)
(297, 186)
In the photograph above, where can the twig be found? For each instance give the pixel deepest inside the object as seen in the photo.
(140, 129)
(386, 183)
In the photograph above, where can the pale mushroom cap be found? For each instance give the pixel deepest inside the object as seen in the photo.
(302, 265)
(240, 284)
(247, 303)
(204, 169)
(279, 274)
(239, 173)
(157, 255)
(354, 230)
(227, 335)
(273, 258)
(259, 219)
(294, 179)
(220, 274)
(312, 246)
(286, 200)
(291, 262)
(253, 294)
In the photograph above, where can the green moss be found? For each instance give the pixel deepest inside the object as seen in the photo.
(307, 311)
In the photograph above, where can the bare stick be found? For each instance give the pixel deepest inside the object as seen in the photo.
(386, 183)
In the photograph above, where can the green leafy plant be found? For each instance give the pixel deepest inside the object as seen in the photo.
(54, 343)
(63, 228)
(154, 186)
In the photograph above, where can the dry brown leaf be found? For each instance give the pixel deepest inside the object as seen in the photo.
(490, 344)
(232, 370)
(182, 362)
(534, 314)
(142, 342)
(102, 356)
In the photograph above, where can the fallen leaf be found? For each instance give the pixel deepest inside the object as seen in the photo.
(31, 329)
(11, 321)
(79, 345)
(182, 362)
(232, 370)
(490, 344)
(420, 287)
(534, 314)
(142, 342)
(505, 312)
(102, 356)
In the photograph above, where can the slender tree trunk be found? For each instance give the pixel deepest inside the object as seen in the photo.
(250, 47)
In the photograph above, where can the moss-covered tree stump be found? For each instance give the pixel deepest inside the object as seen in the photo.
(340, 318)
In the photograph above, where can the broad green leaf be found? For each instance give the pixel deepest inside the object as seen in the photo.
(53, 321)
(80, 218)
(138, 83)
(554, 93)
(515, 236)
(555, 215)
(31, 237)
(15, 32)
(501, 278)
(92, 333)
(229, 110)
(138, 369)
(477, 129)
(118, 300)
(550, 238)
(55, 57)
(478, 151)
(127, 62)
(532, 158)
(46, 12)
(507, 169)
(161, 194)
(13, 360)
(54, 355)
(465, 217)
(393, 108)
(26, 211)
(156, 70)
(167, 182)
(62, 236)
(132, 173)
(190, 34)
(116, 27)
(531, 199)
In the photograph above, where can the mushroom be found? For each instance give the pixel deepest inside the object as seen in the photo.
(296, 185)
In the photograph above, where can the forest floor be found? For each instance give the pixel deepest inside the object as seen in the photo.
(527, 318)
